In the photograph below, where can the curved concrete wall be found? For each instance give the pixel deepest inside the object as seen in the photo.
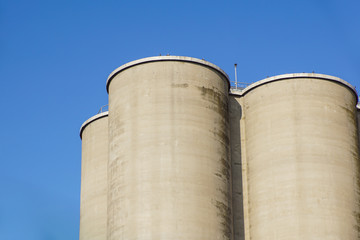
(93, 203)
(169, 172)
(238, 179)
(358, 121)
(302, 159)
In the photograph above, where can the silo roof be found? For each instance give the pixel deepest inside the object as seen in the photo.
(297, 75)
(165, 58)
(90, 120)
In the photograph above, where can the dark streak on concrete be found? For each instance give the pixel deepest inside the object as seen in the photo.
(225, 213)
(184, 85)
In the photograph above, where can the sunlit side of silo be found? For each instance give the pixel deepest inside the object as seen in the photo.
(169, 172)
(302, 158)
(93, 203)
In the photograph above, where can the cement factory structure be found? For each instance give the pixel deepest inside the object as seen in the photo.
(180, 155)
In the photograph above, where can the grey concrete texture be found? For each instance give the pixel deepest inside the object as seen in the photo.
(169, 162)
(302, 160)
(235, 115)
(93, 203)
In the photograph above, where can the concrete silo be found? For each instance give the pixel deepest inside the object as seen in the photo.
(93, 203)
(179, 157)
(300, 158)
(169, 166)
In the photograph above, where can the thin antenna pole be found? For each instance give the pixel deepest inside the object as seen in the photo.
(236, 82)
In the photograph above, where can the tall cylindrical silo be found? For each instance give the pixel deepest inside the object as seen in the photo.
(93, 203)
(302, 158)
(169, 175)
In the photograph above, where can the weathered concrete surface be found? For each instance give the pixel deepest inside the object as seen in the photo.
(169, 163)
(93, 203)
(235, 115)
(302, 155)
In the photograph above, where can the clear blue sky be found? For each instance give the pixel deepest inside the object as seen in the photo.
(55, 57)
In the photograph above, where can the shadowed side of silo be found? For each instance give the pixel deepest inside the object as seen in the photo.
(93, 203)
(169, 172)
(239, 189)
(302, 158)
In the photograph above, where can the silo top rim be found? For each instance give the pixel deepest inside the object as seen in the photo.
(298, 75)
(164, 58)
(90, 120)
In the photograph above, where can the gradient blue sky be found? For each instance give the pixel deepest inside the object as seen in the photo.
(55, 57)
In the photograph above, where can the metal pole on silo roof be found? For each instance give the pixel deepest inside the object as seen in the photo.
(235, 65)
